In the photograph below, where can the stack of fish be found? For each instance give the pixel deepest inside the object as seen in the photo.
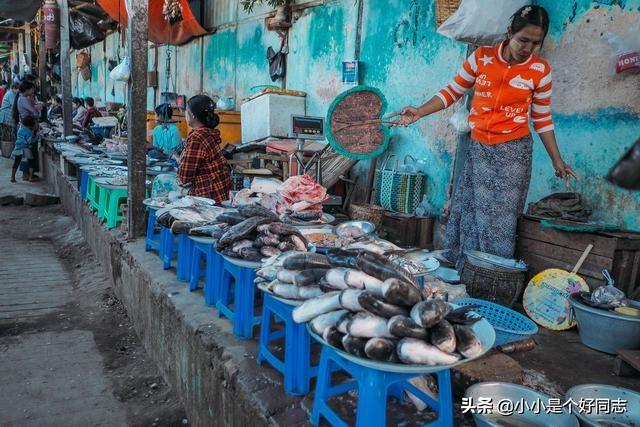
(364, 304)
(254, 233)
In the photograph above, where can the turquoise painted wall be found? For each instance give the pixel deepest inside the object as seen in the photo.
(597, 114)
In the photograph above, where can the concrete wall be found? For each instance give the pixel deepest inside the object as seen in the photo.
(597, 114)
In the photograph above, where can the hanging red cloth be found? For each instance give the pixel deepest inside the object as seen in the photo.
(160, 31)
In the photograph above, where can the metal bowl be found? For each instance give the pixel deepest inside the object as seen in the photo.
(602, 392)
(366, 228)
(524, 401)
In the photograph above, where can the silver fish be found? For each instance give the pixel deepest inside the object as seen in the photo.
(270, 251)
(278, 261)
(399, 292)
(382, 349)
(324, 321)
(417, 352)
(469, 344)
(298, 243)
(443, 336)
(288, 291)
(314, 307)
(287, 276)
(405, 327)
(428, 313)
(335, 278)
(305, 260)
(349, 299)
(366, 325)
(268, 273)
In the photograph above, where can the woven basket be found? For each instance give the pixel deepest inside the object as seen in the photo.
(444, 9)
(371, 213)
(502, 287)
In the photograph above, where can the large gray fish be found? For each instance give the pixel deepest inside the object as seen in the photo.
(287, 276)
(443, 336)
(282, 229)
(334, 337)
(287, 291)
(360, 280)
(399, 292)
(343, 258)
(250, 254)
(469, 344)
(344, 322)
(266, 241)
(382, 349)
(349, 299)
(366, 325)
(405, 327)
(314, 307)
(383, 269)
(428, 313)
(240, 231)
(335, 278)
(309, 277)
(324, 321)
(278, 261)
(417, 352)
(256, 210)
(306, 260)
(380, 307)
(269, 273)
(354, 345)
(269, 251)
(231, 217)
(214, 231)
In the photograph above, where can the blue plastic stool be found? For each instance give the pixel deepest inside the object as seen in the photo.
(373, 388)
(152, 240)
(243, 299)
(296, 366)
(84, 179)
(212, 274)
(168, 247)
(183, 264)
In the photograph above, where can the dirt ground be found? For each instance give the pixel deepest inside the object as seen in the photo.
(133, 378)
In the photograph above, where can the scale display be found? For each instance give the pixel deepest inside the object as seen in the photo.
(307, 127)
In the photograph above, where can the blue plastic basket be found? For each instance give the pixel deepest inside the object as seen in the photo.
(510, 325)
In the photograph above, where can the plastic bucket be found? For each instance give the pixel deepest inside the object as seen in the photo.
(596, 417)
(103, 131)
(606, 331)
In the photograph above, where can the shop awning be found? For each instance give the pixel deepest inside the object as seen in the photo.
(20, 10)
(159, 29)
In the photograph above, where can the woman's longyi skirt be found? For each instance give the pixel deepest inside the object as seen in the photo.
(490, 196)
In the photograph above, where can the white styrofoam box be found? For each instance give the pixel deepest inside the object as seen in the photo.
(269, 115)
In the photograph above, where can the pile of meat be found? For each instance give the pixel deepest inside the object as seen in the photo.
(299, 198)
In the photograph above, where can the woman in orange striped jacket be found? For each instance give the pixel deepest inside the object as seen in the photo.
(512, 88)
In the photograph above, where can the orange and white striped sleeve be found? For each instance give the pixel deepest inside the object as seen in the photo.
(541, 105)
(462, 82)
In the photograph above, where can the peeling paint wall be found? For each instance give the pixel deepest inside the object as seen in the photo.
(596, 114)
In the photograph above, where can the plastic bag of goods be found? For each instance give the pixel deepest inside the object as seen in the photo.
(481, 22)
(626, 51)
(460, 120)
(122, 72)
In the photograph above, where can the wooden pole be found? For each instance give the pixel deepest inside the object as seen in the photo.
(137, 108)
(27, 46)
(65, 66)
(42, 63)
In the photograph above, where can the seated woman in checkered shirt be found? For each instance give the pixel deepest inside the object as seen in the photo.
(202, 167)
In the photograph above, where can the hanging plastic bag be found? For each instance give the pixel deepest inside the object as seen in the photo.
(626, 51)
(481, 23)
(278, 61)
(460, 120)
(122, 72)
(626, 172)
(83, 32)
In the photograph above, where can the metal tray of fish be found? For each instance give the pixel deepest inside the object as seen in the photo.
(291, 302)
(490, 261)
(326, 220)
(482, 328)
(205, 241)
(242, 263)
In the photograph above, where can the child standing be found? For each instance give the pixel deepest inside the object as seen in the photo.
(22, 153)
